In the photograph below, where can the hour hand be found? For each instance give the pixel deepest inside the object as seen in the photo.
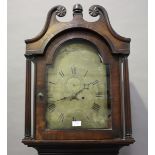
(64, 98)
(76, 94)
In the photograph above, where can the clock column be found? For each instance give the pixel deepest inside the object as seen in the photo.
(28, 98)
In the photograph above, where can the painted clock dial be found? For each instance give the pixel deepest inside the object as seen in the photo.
(77, 88)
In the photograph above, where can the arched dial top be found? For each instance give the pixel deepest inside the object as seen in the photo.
(53, 27)
(77, 88)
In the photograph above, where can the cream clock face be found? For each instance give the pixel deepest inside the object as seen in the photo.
(77, 88)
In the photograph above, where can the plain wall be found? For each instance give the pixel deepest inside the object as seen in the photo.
(27, 18)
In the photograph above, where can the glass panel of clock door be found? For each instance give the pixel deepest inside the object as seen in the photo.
(77, 88)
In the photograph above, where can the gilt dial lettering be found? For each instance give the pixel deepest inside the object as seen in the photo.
(51, 106)
(95, 82)
(51, 82)
(85, 73)
(61, 73)
(96, 107)
(73, 69)
(61, 117)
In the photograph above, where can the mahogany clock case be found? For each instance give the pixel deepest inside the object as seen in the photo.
(114, 51)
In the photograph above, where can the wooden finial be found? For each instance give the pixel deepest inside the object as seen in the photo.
(77, 9)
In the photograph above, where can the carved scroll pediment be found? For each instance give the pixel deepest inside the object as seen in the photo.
(102, 27)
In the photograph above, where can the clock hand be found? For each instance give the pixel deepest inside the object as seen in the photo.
(86, 86)
(70, 97)
(64, 98)
(78, 92)
(75, 95)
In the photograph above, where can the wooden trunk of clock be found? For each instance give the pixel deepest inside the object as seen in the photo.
(81, 100)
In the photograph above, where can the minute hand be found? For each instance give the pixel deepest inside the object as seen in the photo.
(86, 86)
(81, 90)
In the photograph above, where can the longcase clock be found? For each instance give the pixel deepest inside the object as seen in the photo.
(81, 101)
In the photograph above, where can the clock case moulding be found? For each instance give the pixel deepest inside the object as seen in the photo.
(119, 48)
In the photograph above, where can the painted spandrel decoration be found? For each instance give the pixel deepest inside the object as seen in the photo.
(81, 97)
(77, 88)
